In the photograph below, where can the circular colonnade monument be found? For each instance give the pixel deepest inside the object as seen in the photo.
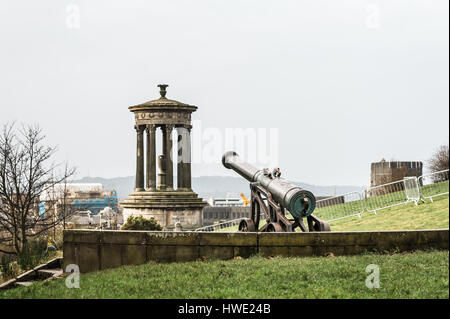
(155, 195)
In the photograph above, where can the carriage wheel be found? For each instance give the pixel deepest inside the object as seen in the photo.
(316, 224)
(274, 227)
(247, 225)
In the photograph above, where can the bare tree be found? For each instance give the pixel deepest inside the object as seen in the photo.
(67, 209)
(439, 160)
(109, 216)
(26, 172)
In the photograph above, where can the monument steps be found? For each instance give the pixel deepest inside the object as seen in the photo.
(155, 199)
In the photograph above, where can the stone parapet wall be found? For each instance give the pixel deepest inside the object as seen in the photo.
(94, 250)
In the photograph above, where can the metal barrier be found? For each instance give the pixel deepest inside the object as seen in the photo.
(338, 207)
(434, 184)
(412, 189)
(385, 196)
(214, 227)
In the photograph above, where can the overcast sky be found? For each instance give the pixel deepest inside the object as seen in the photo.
(345, 82)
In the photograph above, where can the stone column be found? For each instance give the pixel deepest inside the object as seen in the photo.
(186, 157)
(139, 187)
(167, 149)
(180, 141)
(151, 157)
(162, 173)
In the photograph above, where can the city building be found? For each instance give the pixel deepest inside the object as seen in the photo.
(220, 214)
(221, 202)
(79, 197)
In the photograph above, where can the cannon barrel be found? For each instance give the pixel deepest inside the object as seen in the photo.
(299, 202)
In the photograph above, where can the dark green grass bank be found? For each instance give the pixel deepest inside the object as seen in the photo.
(408, 275)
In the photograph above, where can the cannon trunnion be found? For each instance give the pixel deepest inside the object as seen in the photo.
(271, 197)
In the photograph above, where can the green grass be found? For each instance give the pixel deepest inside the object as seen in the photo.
(407, 275)
(436, 188)
(402, 217)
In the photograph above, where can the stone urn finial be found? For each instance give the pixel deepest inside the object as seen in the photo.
(162, 90)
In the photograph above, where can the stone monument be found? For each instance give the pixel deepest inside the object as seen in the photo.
(158, 198)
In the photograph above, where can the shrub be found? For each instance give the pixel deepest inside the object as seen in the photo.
(141, 223)
(32, 254)
(8, 267)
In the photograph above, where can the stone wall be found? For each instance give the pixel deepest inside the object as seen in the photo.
(330, 201)
(219, 214)
(94, 250)
(385, 172)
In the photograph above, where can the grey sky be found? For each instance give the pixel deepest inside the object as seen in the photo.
(342, 91)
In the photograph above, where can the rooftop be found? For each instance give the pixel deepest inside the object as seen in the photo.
(162, 101)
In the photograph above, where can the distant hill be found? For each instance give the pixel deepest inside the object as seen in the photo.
(214, 186)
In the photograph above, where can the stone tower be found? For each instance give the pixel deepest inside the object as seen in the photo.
(157, 197)
(385, 172)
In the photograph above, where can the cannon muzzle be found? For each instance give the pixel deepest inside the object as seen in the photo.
(299, 202)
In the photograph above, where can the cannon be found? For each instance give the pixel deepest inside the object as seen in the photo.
(271, 197)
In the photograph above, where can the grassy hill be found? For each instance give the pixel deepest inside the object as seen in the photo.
(403, 217)
(424, 216)
(401, 276)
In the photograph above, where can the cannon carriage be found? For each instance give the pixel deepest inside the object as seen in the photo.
(272, 197)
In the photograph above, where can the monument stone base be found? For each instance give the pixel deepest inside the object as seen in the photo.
(167, 207)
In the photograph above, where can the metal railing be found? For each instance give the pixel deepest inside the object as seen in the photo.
(408, 190)
(412, 189)
(214, 227)
(434, 184)
(386, 195)
(338, 207)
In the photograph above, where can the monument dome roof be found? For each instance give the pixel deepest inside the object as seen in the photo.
(162, 101)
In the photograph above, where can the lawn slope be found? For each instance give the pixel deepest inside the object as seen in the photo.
(402, 217)
(408, 275)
